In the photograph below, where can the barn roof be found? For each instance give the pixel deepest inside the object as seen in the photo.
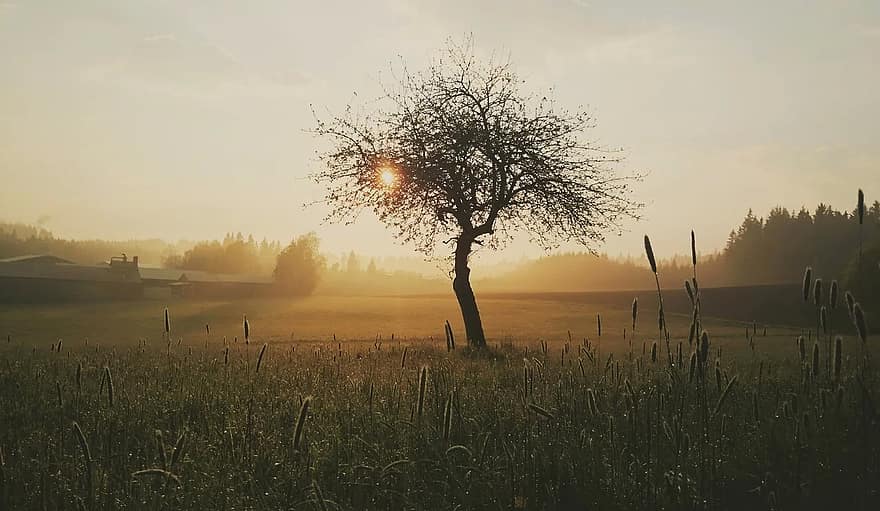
(36, 259)
(66, 271)
(231, 278)
(175, 275)
(166, 274)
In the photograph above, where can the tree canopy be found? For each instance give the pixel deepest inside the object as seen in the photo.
(299, 266)
(459, 153)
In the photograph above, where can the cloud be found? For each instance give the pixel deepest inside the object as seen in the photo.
(165, 63)
(868, 31)
(159, 37)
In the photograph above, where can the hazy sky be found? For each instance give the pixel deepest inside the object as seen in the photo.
(186, 119)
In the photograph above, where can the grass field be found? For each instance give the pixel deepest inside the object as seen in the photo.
(127, 420)
(518, 318)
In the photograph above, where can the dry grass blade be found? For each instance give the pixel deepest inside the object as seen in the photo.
(157, 472)
(833, 297)
(301, 422)
(178, 450)
(543, 412)
(109, 378)
(861, 324)
(838, 348)
(423, 386)
(635, 313)
(87, 462)
(447, 418)
(724, 395)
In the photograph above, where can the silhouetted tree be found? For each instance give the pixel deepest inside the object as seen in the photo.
(299, 266)
(462, 155)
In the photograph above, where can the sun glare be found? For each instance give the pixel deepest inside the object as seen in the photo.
(387, 176)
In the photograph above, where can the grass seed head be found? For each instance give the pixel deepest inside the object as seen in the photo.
(423, 386)
(650, 253)
(704, 347)
(635, 312)
(260, 358)
(808, 280)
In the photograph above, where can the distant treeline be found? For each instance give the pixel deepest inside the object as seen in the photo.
(18, 239)
(770, 250)
(235, 254)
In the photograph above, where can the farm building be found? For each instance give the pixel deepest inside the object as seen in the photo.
(202, 284)
(46, 278)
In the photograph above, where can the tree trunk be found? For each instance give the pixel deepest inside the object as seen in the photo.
(461, 284)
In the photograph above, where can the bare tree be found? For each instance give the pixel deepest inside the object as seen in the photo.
(457, 154)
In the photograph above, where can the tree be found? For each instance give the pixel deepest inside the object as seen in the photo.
(352, 263)
(458, 154)
(212, 256)
(299, 266)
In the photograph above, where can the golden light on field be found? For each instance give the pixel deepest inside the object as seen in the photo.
(387, 176)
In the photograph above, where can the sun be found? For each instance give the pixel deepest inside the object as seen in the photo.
(387, 177)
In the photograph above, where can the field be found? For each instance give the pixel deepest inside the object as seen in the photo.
(114, 416)
(520, 318)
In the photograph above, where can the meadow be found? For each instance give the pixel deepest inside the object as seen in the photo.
(552, 416)
(511, 317)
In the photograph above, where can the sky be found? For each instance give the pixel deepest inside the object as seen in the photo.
(189, 119)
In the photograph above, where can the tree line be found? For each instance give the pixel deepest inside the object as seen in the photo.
(17, 239)
(297, 267)
(762, 250)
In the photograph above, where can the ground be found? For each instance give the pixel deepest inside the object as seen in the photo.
(517, 318)
(125, 420)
